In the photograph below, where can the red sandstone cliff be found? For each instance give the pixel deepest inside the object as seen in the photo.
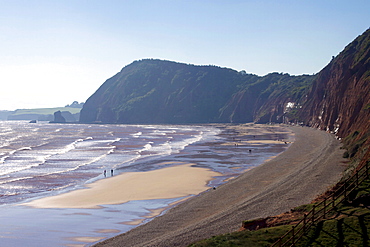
(339, 99)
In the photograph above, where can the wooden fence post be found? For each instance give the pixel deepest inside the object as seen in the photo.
(324, 207)
(333, 200)
(313, 214)
(278, 241)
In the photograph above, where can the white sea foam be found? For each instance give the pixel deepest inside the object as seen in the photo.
(73, 154)
(136, 135)
(147, 147)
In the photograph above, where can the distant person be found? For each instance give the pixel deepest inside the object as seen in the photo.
(105, 173)
(111, 172)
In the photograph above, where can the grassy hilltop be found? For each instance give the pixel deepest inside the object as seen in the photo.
(45, 111)
(71, 111)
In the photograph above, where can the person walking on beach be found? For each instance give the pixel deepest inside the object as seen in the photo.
(111, 172)
(105, 173)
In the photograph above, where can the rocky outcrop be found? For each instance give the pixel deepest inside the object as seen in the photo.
(69, 117)
(58, 117)
(64, 117)
(71, 113)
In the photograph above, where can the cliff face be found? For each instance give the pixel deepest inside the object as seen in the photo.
(282, 98)
(339, 99)
(58, 117)
(269, 99)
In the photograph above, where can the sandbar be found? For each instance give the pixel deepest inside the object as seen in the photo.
(171, 182)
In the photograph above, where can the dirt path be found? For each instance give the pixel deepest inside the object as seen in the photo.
(309, 166)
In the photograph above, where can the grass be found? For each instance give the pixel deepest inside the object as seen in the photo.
(259, 238)
(350, 229)
(349, 225)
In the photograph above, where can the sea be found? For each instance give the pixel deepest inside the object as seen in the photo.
(44, 159)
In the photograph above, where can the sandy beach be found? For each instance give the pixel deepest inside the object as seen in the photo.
(133, 186)
(307, 168)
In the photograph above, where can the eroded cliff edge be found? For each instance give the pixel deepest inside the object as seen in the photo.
(339, 98)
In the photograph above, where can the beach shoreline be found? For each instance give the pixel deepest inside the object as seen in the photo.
(307, 168)
(133, 186)
(154, 184)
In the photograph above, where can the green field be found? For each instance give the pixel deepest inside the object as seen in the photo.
(46, 111)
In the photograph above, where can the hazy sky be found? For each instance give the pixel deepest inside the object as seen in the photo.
(53, 52)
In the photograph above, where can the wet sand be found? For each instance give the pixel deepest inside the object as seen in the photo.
(306, 169)
(184, 179)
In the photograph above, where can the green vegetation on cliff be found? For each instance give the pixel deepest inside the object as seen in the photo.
(155, 91)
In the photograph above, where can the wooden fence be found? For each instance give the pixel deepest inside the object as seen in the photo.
(321, 210)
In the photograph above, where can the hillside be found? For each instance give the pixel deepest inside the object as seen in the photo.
(155, 91)
(269, 99)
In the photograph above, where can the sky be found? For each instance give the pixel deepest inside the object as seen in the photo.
(54, 52)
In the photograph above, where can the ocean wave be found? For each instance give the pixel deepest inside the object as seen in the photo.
(73, 154)
(137, 135)
(13, 180)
